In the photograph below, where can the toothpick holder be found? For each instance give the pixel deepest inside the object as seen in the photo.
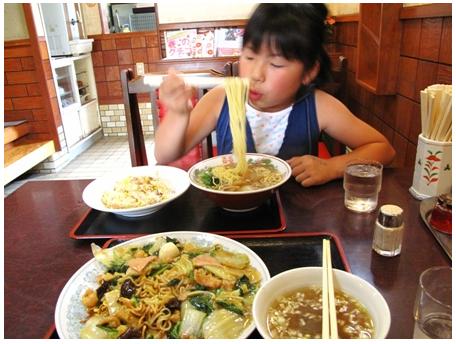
(432, 176)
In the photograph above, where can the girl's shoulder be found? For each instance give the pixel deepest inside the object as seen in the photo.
(329, 109)
(211, 103)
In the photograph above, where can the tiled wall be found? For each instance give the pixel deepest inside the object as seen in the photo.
(425, 59)
(114, 123)
(111, 54)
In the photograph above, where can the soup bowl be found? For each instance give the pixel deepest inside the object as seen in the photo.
(238, 200)
(295, 279)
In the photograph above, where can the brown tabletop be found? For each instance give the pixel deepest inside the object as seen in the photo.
(40, 256)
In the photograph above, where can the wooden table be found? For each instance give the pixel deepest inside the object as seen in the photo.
(40, 257)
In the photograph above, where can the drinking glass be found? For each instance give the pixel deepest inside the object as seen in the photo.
(432, 310)
(362, 183)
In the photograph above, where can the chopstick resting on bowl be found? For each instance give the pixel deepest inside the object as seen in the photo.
(329, 320)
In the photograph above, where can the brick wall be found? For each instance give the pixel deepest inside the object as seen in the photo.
(114, 52)
(425, 59)
(24, 97)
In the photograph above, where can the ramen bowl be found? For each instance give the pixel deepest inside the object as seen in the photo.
(239, 201)
(296, 279)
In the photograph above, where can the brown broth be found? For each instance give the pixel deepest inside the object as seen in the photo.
(298, 315)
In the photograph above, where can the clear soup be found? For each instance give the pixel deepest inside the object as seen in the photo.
(299, 315)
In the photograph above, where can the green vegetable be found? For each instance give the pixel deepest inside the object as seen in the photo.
(159, 269)
(174, 332)
(112, 332)
(174, 241)
(135, 301)
(244, 285)
(173, 282)
(208, 179)
(192, 320)
(230, 307)
(203, 303)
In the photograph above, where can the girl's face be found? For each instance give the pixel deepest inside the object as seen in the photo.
(274, 80)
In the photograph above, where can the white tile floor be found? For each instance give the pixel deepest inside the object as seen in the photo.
(105, 156)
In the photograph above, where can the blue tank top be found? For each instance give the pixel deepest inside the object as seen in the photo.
(301, 135)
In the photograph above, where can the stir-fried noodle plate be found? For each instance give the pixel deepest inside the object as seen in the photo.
(165, 285)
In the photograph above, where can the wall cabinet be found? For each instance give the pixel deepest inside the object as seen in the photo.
(379, 39)
(75, 85)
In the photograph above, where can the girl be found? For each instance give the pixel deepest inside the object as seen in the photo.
(284, 59)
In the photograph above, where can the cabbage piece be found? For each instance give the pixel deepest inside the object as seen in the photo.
(111, 299)
(92, 330)
(159, 242)
(113, 258)
(222, 323)
(233, 260)
(192, 319)
(183, 266)
(220, 272)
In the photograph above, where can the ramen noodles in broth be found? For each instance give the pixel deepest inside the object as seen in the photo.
(299, 315)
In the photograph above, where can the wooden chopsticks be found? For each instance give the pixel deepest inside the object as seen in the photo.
(329, 320)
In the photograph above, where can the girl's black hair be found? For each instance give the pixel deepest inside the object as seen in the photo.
(296, 31)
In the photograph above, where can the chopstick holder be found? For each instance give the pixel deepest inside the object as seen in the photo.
(329, 316)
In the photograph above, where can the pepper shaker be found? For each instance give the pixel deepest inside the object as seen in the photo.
(389, 228)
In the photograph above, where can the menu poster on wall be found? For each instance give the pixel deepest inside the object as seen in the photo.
(179, 43)
(204, 44)
(228, 41)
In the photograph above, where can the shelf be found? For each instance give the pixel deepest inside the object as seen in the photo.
(88, 102)
(66, 94)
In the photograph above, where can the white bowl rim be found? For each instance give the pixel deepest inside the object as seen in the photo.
(360, 280)
(259, 155)
(118, 175)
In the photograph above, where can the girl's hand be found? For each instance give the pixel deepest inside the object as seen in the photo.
(175, 95)
(309, 170)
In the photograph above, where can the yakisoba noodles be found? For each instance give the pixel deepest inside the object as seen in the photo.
(170, 289)
(136, 191)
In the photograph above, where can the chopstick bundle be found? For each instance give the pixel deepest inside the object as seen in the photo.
(329, 316)
(436, 108)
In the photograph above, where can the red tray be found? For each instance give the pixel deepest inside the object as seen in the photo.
(192, 211)
(280, 252)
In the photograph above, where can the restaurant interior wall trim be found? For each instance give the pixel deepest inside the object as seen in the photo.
(425, 59)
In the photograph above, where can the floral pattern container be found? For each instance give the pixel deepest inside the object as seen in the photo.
(432, 176)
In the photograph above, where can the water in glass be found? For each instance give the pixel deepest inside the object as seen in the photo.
(362, 183)
(435, 325)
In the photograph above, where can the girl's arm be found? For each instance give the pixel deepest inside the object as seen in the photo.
(337, 121)
(182, 127)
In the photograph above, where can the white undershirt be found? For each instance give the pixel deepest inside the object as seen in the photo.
(268, 128)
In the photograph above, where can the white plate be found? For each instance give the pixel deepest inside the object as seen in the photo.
(176, 178)
(70, 311)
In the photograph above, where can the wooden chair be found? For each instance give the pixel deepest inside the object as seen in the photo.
(131, 87)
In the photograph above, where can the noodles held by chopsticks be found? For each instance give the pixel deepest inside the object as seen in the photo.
(236, 93)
